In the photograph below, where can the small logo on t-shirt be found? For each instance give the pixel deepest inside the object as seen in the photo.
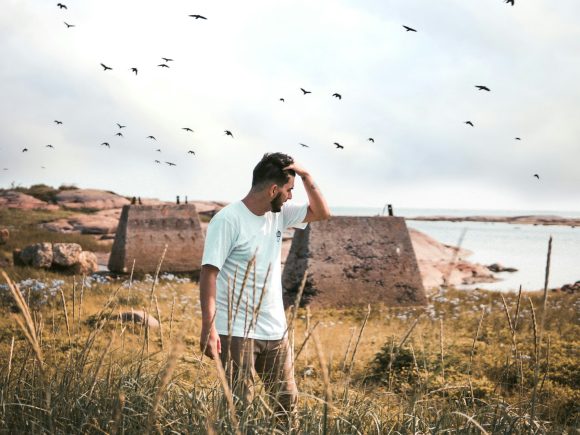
(278, 235)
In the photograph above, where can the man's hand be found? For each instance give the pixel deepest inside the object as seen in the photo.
(209, 342)
(300, 171)
(317, 208)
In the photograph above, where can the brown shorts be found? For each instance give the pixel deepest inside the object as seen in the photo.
(271, 360)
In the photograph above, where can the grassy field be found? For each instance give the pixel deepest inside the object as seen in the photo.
(466, 363)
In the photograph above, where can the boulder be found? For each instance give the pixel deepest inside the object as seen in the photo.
(140, 317)
(569, 288)
(39, 255)
(87, 264)
(22, 201)
(66, 254)
(496, 267)
(4, 236)
(90, 199)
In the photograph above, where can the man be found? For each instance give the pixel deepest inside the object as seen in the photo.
(243, 320)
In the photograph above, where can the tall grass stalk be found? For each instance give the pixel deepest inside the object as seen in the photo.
(176, 350)
(541, 332)
(160, 322)
(326, 380)
(64, 310)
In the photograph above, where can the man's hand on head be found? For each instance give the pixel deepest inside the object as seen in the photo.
(300, 171)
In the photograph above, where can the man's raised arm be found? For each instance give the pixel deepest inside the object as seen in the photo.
(317, 207)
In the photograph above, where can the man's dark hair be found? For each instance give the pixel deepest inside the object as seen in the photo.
(271, 170)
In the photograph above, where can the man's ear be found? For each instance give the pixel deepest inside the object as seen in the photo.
(273, 191)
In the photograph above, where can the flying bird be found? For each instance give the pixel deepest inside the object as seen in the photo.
(469, 123)
(483, 88)
(228, 133)
(163, 65)
(166, 59)
(537, 176)
(121, 126)
(338, 146)
(370, 139)
(305, 91)
(105, 67)
(106, 144)
(187, 129)
(49, 146)
(282, 99)
(68, 26)
(518, 138)
(151, 137)
(197, 17)
(57, 122)
(24, 150)
(158, 150)
(135, 70)
(409, 29)
(304, 145)
(119, 134)
(157, 161)
(61, 6)
(191, 152)
(337, 96)
(510, 2)
(171, 164)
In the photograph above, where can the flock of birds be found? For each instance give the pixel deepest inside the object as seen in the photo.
(165, 64)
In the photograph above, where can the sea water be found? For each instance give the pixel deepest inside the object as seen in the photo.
(523, 247)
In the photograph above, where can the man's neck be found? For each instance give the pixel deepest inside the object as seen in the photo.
(256, 204)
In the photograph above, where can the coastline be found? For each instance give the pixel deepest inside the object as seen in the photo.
(523, 220)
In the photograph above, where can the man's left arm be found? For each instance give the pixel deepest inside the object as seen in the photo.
(317, 207)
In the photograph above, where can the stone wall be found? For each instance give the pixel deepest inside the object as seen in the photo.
(354, 261)
(143, 232)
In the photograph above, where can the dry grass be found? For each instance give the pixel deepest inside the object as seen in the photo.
(380, 371)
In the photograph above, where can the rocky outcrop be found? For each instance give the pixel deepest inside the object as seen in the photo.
(18, 200)
(90, 199)
(64, 257)
(569, 288)
(526, 220)
(102, 222)
(442, 264)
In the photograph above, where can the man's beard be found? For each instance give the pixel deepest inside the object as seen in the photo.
(276, 203)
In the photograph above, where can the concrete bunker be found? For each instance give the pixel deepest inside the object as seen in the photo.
(143, 232)
(352, 261)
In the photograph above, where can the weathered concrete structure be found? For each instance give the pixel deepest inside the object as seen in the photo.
(143, 232)
(354, 261)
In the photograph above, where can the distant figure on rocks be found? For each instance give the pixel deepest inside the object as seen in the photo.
(186, 199)
(133, 201)
(247, 234)
(177, 199)
(139, 200)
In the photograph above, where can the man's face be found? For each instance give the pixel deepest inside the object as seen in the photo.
(283, 195)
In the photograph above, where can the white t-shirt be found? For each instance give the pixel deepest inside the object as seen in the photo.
(233, 236)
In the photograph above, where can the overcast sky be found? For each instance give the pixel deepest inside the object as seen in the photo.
(411, 92)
